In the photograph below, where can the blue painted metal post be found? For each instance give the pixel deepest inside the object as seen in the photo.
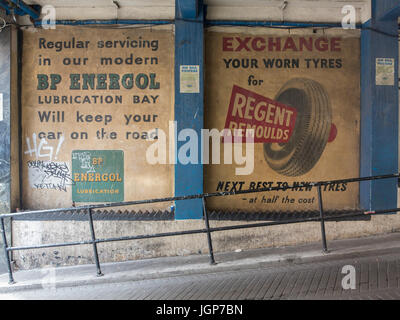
(5, 186)
(5, 6)
(379, 107)
(189, 107)
(25, 9)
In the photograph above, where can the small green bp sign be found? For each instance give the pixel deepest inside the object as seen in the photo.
(98, 175)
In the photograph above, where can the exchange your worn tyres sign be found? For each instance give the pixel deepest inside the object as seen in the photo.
(298, 94)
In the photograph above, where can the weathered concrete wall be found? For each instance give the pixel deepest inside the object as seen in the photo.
(37, 232)
(5, 74)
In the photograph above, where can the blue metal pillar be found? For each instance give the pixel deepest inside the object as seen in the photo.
(189, 106)
(379, 107)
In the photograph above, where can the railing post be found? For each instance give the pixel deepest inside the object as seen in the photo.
(96, 255)
(321, 213)
(3, 233)
(210, 247)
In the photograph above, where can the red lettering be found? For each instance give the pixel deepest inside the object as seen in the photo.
(257, 47)
(243, 43)
(321, 44)
(308, 43)
(227, 44)
(289, 44)
(276, 44)
(335, 44)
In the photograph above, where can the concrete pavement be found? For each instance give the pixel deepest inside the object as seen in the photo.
(299, 272)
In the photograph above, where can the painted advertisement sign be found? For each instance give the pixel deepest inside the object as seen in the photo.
(97, 175)
(271, 121)
(297, 93)
(99, 93)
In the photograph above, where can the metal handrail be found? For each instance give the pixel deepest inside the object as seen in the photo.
(207, 229)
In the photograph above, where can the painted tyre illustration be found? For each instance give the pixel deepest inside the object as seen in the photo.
(311, 132)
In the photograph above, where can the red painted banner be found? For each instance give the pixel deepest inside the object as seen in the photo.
(272, 121)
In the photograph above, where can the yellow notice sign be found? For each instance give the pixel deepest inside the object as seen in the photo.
(384, 72)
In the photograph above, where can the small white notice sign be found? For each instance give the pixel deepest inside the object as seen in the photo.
(384, 72)
(190, 79)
